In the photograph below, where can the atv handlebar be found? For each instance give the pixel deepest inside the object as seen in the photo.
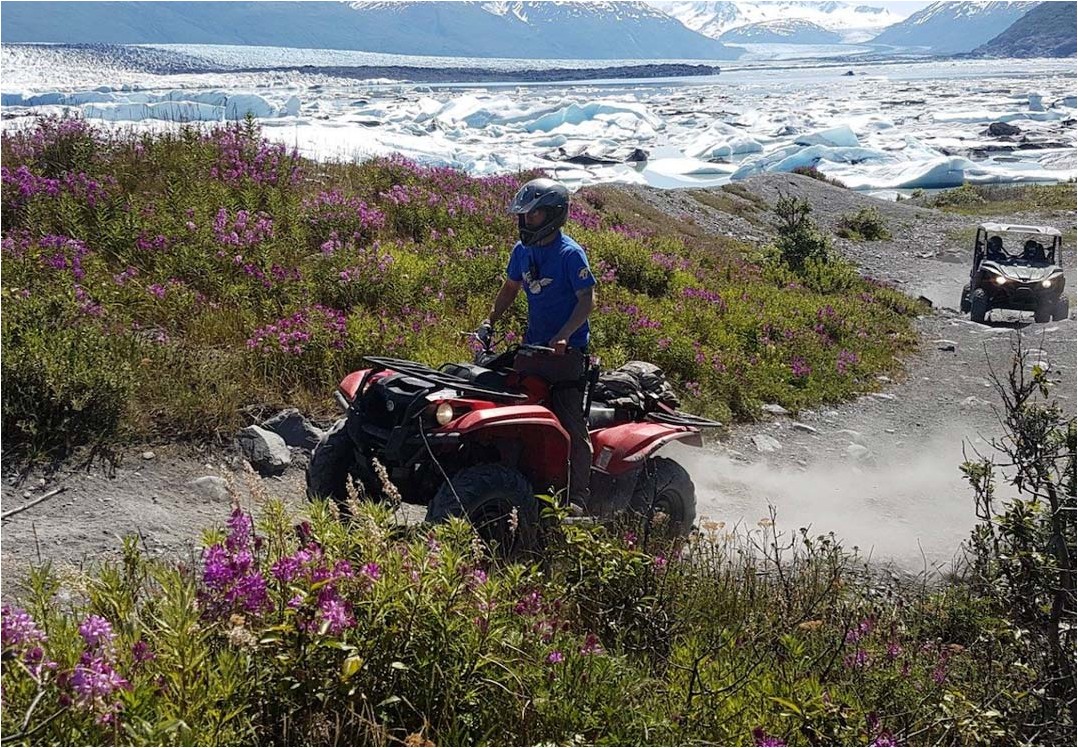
(488, 346)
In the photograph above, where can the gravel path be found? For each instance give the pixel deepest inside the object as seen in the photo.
(881, 471)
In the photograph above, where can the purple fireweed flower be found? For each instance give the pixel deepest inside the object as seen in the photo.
(97, 632)
(141, 652)
(529, 605)
(239, 526)
(94, 681)
(592, 646)
(799, 367)
(846, 360)
(371, 571)
(555, 657)
(19, 629)
(759, 737)
(335, 612)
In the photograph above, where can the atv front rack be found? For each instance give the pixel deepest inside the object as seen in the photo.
(434, 376)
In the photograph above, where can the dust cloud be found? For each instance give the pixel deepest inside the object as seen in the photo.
(914, 510)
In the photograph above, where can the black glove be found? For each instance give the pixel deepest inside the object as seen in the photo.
(484, 332)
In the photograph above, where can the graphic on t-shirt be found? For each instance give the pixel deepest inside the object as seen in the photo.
(535, 285)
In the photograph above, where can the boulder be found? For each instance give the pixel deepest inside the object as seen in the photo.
(765, 443)
(211, 486)
(774, 409)
(1003, 129)
(265, 450)
(858, 452)
(294, 428)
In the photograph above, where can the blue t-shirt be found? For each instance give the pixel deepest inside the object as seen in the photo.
(551, 275)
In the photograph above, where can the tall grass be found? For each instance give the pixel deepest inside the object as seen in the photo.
(195, 272)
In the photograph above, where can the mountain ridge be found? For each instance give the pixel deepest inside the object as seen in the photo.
(1048, 30)
(953, 27)
(629, 30)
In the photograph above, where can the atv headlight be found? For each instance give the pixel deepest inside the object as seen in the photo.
(1046, 284)
(1000, 279)
(443, 414)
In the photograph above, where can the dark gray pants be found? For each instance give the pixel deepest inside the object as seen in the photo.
(566, 377)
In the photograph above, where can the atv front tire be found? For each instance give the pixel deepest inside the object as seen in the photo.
(1043, 313)
(665, 486)
(488, 495)
(963, 305)
(978, 306)
(328, 468)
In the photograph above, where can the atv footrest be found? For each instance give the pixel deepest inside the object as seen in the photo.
(683, 419)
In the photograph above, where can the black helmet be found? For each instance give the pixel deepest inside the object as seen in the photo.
(541, 193)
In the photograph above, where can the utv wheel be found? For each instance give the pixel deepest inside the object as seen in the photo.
(327, 471)
(487, 496)
(1043, 313)
(667, 488)
(1062, 310)
(964, 303)
(978, 306)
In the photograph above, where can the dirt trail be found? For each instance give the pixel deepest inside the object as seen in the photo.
(881, 471)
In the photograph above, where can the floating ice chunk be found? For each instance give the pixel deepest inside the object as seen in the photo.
(1036, 101)
(291, 107)
(793, 156)
(841, 136)
(1068, 101)
(170, 111)
(720, 140)
(978, 116)
(576, 114)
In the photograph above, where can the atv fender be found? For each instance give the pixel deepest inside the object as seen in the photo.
(620, 449)
(350, 384)
(546, 443)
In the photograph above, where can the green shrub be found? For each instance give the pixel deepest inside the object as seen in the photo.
(966, 196)
(202, 246)
(865, 225)
(305, 630)
(813, 172)
(799, 238)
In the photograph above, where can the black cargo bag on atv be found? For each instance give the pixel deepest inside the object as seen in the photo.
(636, 387)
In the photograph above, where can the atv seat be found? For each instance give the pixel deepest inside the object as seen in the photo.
(486, 378)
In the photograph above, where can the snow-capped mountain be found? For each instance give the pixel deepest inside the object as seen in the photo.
(792, 31)
(953, 27)
(1046, 31)
(538, 30)
(855, 23)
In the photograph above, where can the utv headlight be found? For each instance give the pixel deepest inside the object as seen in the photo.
(1046, 284)
(443, 414)
(1000, 279)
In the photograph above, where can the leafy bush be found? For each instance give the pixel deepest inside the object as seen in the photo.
(966, 196)
(305, 630)
(223, 270)
(1022, 552)
(812, 171)
(865, 225)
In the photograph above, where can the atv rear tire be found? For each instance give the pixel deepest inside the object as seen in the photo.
(328, 468)
(487, 496)
(1062, 309)
(978, 306)
(666, 487)
(964, 304)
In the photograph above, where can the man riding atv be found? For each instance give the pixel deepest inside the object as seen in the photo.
(1016, 267)
(560, 288)
(484, 440)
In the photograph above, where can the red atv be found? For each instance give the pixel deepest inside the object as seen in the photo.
(478, 440)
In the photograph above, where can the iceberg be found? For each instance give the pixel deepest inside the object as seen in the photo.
(841, 136)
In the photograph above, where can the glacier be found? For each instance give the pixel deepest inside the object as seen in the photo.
(890, 126)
